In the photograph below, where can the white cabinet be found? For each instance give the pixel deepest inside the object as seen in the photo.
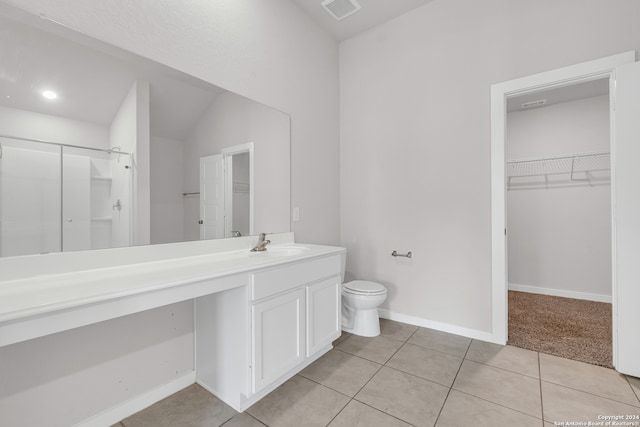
(252, 339)
(323, 314)
(278, 337)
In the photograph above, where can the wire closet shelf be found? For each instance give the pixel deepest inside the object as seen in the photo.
(579, 167)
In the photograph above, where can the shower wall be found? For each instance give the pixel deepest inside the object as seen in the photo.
(52, 201)
(82, 215)
(29, 202)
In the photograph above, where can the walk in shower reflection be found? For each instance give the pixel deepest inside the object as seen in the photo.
(56, 197)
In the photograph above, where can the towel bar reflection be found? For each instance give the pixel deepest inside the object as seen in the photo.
(407, 255)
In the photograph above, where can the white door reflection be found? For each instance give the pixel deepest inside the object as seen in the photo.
(226, 193)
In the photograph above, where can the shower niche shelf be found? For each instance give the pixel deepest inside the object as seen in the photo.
(101, 210)
(106, 179)
(570, 169)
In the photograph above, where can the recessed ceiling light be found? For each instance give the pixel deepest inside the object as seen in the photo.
(49, 94)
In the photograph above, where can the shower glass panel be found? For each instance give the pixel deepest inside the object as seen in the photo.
(30, 198)
(57, 198)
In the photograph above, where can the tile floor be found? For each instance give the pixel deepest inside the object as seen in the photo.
(410, 376)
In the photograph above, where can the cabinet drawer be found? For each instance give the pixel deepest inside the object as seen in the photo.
(281, 278)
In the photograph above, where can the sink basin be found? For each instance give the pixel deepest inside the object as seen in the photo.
(283, 251)
(287, 250)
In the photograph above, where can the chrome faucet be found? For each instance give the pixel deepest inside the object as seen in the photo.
(262, 243)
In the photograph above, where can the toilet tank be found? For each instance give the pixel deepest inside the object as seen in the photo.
(343, 265)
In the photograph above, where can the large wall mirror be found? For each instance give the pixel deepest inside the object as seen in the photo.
(101, 148)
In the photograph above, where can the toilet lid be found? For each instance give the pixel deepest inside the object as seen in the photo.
(364, 287)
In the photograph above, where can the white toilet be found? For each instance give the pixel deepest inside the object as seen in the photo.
(360, 301)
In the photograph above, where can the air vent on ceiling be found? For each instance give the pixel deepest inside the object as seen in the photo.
(533, 104)
(340, 9)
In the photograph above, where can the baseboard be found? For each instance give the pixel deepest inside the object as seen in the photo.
(129, 407)
(247, 403)
(438, 326)
(560, 293)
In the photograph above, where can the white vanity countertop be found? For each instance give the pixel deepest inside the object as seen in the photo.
(52, 292)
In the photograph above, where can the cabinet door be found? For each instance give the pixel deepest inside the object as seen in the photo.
(323, 314)
(278, 337)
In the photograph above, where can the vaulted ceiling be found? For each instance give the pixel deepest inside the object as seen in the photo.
(371, 14)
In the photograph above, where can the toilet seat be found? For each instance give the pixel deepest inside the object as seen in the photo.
(364, 287)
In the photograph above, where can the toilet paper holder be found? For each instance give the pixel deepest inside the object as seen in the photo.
(407, 255)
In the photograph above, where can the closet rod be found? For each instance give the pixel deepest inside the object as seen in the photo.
(561, 157)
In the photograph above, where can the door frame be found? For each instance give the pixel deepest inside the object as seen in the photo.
(227, 156)
(566, 76)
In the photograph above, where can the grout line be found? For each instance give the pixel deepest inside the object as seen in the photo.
(245, 412)
(339, 412)
(412, 334)
(386, 413)
(369, 380)
(452, 383)
(433, 349)
(497, 404)
(422, 378)
(540, 383)
(376, 373)
(394, 353)
(632, 389)
(441, 352)
(591, 394)
(506, 370)
(238, 414)
(351, 398)
(361, 357)
(325, 386)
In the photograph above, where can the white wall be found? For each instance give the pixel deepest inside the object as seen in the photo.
(167, 216)
(233, 120)
(27, 124)
(67, 377)
(415, 147)
(267, 51)
(560, 236)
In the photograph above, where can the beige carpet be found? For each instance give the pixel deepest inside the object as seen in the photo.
(565, 327)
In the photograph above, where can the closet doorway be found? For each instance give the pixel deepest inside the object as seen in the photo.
(623, 74)
(558, 199)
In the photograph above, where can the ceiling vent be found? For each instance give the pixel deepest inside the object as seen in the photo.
(533, 104)
(340, 9)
